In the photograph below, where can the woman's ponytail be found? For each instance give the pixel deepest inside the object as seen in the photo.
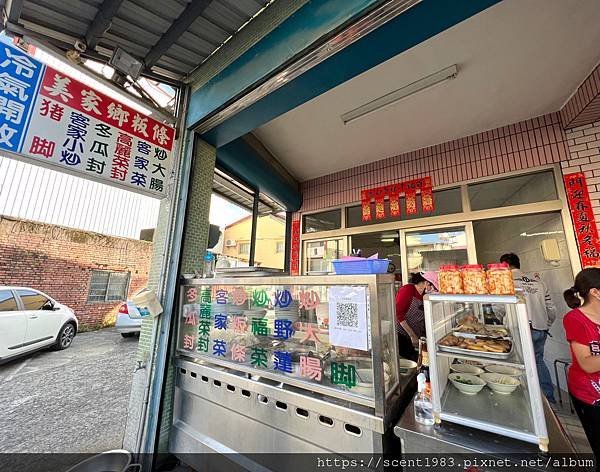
(586, 280)
(570, 295)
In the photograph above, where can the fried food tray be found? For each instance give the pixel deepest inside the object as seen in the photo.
(470, 352)
(482, 336)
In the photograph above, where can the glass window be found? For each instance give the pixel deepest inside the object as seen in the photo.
(33, 300)
(530, 188)
(270, 241)
(524, 235)
(7, 301)
(107, 286)
(244, 248)
(428, 250)
(386, 244)
(117, 286)
(319, 254)
(446, 202)
(324, 221)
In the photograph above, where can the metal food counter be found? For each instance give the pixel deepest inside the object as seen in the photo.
(287, 364)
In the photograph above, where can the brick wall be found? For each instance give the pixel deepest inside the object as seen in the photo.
(584, 156)
(527, 144)
(59, 261)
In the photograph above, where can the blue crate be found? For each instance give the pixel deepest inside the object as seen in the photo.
(365, 266)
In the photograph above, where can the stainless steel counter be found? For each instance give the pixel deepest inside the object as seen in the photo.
(450, 438)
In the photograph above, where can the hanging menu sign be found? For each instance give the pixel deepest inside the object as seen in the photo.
(53, 120)
(583, 219)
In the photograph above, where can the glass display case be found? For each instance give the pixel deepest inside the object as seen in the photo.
(482, 365)
(317, 353)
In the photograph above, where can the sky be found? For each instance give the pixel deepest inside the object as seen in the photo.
(223, 212)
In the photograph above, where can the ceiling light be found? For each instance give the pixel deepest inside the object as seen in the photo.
(403, 92)
(387, 240)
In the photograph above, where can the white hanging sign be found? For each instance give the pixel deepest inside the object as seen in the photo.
(54, 120)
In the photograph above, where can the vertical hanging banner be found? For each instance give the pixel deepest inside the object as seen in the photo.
(392, 193)
(583, 219)
(53, 120)
(295, 249)
(366, 206)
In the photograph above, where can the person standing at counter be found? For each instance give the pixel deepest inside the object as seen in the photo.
(542, 314)
(582, 329)
(410, 316)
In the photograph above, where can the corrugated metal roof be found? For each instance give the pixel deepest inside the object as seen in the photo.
(138, 25)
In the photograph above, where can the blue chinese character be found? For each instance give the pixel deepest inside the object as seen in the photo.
(221, 296)
(220, 321)
(283, 298)
(219, 348)
(283, 329)
(283, 361)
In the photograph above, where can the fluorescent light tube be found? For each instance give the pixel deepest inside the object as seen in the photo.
(403, 92)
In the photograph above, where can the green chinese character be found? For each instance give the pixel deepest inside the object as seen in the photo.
(343, 374)
(205, 296)
(259, 327)
(204, 328)
(260, 297)
(202, 345)
(258, 358)
(205, 312)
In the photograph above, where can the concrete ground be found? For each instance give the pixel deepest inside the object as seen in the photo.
(68, 401)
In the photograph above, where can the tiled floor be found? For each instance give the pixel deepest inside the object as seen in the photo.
(571, 424)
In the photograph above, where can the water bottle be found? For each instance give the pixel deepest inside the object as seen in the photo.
(209, 265)
(423, 405)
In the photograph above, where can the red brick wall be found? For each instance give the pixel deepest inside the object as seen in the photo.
(59, 261)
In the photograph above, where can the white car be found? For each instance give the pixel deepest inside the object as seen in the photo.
(31, 320)
(129, 320)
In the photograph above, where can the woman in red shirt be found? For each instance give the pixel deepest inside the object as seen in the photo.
(410, 317)
(582, 328)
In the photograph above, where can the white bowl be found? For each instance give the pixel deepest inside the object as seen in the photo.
(504, 370)
(469, 389)
(406, 367)
(499, 383)
(466, 369)
(364, 382)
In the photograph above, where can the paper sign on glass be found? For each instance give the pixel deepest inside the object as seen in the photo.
(348, 317)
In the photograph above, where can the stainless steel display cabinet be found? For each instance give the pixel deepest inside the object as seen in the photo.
(517, 415)
(286, 364)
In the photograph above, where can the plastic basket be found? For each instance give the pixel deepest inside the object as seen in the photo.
(366, 266)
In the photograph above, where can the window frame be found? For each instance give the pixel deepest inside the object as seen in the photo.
(466, 216)
(110, 274)
(244, 244)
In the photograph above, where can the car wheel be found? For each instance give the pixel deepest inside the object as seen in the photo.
(128, 335)
(65, 337)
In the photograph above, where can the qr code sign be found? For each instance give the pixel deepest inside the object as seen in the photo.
(347, 315)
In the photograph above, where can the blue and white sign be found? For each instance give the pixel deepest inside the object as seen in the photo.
(20, 77)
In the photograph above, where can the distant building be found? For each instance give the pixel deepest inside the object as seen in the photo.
(270, 241)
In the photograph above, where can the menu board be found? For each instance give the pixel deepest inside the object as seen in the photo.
(281, 329)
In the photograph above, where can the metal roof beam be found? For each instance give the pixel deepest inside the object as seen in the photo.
(12, 10)
(101, 21)
(179, 26)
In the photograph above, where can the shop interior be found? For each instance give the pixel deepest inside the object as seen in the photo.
(475, 220)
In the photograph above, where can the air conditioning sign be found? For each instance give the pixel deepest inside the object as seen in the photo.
(51, 119)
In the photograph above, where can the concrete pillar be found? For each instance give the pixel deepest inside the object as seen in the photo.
(195, 240)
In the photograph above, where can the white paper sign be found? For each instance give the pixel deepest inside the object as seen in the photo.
(348, 325)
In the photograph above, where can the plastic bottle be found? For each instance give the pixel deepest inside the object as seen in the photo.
(209, 265)
(423, 405)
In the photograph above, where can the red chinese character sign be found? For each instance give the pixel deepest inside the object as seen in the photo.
(392, 193)
(583, 219)
(52, 119)
(295, 250)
